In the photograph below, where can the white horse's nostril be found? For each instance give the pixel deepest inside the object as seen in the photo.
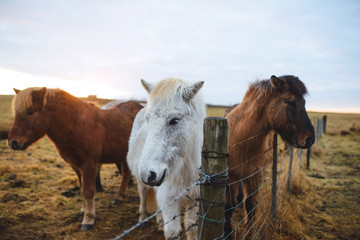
(151, 177)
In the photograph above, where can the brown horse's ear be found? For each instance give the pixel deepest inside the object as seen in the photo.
(191, 91)
(276, 82)
(148, 87)
(38, 96)
(16, 90)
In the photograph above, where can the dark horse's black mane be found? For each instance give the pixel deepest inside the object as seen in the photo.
(291, 82)
(262, 89)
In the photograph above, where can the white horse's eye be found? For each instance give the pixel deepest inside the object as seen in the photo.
(174, 121)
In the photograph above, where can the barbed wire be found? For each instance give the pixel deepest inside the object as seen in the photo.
(206, 178)
(246, 140)
(219, 178)
(172, 219)
(126, 232)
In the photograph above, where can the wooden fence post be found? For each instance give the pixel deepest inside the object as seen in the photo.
(324, 123)
(313, 122)
(318, 129)
(290, 167)
(308, 158)
(274, 179)
(214, 161)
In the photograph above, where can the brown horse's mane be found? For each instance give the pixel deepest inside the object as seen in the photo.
(23, 100)
(260, 93)
(263, 90)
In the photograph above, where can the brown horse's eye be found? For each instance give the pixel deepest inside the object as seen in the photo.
(30, 112)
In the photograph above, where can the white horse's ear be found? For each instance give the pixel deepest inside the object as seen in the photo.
(192, 90)
(148, 87)
(276, 82)
(16, 90)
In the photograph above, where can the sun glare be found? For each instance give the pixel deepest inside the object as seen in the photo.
(14, 79)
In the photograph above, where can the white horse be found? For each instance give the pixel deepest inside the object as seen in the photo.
(165, 151)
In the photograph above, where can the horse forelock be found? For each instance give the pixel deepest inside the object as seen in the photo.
(294, 85)
(166, 89)
(264, 90)
(23, 100)
(169, 91)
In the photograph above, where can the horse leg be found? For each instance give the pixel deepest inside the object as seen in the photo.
(142, 189)
(78, 173)
(88, 189)
(171, 218)
(131, 182)
(99, 187)
(246, 198)
(191, 220)
(252, 204)
(251, 189)
(234, 196)
(125, 178)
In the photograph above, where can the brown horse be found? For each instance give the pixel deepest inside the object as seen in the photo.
(270, 105)
(99, 188)
(84, 135)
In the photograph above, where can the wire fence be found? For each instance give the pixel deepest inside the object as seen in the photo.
(276, 175)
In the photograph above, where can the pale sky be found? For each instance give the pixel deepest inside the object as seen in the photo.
(106, 47)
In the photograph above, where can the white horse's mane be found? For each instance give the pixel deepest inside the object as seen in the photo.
(164, 91)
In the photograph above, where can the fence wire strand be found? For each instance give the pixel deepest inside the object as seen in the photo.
(260, 220)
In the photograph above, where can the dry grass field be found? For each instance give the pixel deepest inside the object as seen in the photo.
(39, 197)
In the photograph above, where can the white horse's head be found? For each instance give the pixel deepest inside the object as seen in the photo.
(174, 131)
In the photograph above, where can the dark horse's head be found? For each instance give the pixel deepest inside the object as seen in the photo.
(30, 122)
(286, 110)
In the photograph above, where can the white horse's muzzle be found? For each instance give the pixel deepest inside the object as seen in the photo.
(152, 178)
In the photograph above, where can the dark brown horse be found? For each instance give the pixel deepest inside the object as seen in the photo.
(84, 135)
(270, 105)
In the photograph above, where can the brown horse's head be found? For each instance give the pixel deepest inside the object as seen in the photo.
(30, 122)
(286, 111)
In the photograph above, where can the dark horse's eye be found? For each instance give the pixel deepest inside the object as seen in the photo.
(290, 103)
(174, 121)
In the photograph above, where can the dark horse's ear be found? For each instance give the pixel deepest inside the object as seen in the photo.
(191, 90)
(16, 90)
(39, 95)
(277, 83)
(148, 87)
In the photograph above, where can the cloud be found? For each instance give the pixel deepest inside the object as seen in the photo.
(226, 44)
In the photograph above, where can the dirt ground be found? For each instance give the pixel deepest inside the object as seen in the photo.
(39, 197)
(335, 176)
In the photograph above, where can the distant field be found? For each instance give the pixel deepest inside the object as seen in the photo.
(39, 198)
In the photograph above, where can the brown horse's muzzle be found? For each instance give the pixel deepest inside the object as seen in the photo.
(304, 141)
(17, 145)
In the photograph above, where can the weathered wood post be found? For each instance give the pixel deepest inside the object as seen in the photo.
(274, 179)
(318, 129)
(324, 123)
(313, 122)
(290, 167)
(308, 158)
(308, 154)
(214, 169)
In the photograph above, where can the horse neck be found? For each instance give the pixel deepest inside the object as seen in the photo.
(65, 114)
(248, 125)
